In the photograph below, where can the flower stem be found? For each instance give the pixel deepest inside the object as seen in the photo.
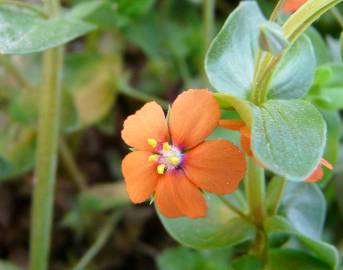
(127, 90)
(209, 26)
(46, 157)
(71, 166)
(255, 191)
(338, 16)
(233, 208)
(277, 187)
(277, 10)
(101, 240)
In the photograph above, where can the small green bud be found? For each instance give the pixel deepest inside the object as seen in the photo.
(272, 38)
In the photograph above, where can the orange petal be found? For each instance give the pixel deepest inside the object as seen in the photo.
(326, 163)
(194, 115)
(140, 176)
(147, 123)
(292, 5)
(176, 196)
(246, 140)
(316, 175)
(232, 124)
(217, 166)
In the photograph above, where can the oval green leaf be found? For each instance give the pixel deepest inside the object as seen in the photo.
(294, 74)
(230, 59)
(221, 227)
(288, 136)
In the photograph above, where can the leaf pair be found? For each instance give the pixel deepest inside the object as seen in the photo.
(288, 135)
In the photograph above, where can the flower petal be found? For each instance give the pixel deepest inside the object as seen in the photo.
(316, 175)
(217, 166)
(176, 196)
(292, 5)
(140, 176)
(194, 115)
(246, 140)
(147, 123)
(326, 163)
(231, 124)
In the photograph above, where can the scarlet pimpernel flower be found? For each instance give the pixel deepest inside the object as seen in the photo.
(292, 5)
(239, 125)
(172, 160)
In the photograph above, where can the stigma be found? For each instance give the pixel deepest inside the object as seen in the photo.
(167, 157)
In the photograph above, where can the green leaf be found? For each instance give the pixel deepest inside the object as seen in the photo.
(230, 59)
(95, 99)
(272, 38)
(288, 136)
(103, 197)
(304, 206)
(83, 9)
(320, 48)
(322, 251)
(7, 265)
(212, 230)
(327, 93)
(247, 262)
(286, 259)
(188, 259)
(333, 122)
(294, 74)
(17, 152)
(23, 32)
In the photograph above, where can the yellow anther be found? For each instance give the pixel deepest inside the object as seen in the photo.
(161, 169)
(174, 161)
(154, 158)
(152, 142)
(166, 147)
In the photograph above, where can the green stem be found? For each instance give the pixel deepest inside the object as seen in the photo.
(101, 240)
(209, 7)
(71, 166)
(277, 10)
(46, 157)
(255, 191)
(209, 17)
(277, 187)
(127, 90)
(233, 208)
(14, 72)
(338, 16)
(21, 4)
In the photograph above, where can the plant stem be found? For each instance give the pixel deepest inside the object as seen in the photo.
(127, 90)
(46, 159)
(233, 208)
(21, 4)
(255, 191)
(101, 240)
(14, 72)
(274, 200)
(209, 7)
(277, 10)
(337, 15)
(71, 166)
(209, 21)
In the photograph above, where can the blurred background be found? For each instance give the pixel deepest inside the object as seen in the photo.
(142, 50)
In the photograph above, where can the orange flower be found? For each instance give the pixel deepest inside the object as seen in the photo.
(173, 161)
(240, 126)
(292, 5)
(318, 172)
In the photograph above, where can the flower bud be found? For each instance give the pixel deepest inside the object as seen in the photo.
(272, 38)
